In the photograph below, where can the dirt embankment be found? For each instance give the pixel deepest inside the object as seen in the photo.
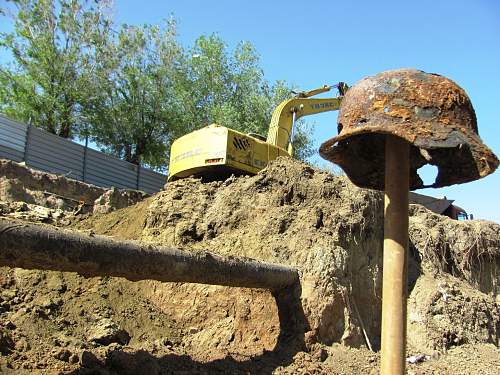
(60, 194)
(291, 214)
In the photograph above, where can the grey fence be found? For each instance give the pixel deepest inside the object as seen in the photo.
(48, 152)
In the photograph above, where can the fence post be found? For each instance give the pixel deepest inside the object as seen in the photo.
(138, 175)
(26, 143)
(85, 158)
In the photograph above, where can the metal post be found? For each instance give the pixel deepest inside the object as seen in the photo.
(138, 176)
(84, 172)
(26, 143)
(394, 288)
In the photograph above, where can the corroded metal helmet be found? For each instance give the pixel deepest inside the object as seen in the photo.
(429, 111)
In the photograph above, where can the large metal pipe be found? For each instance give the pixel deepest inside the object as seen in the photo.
(38, 247)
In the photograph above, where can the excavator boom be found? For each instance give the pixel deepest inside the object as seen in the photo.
(284, 116)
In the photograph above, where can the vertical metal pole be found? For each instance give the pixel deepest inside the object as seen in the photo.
(138, 181)
(84, 172)
(394, 288)
(26, 143)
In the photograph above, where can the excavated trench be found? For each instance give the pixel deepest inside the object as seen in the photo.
(289, 214)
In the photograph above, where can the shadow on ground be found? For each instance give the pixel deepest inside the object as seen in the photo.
(293, 326)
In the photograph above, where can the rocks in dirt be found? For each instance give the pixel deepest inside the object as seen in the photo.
(22, 345)
(131, 363)
(74, 358)
(51, 196)
(62, 354)
(34, 213)
(62, 340)
(106, 331)
(89, 360)
(163, 342)
(6, 342)
(56, 283)
(50, 303)
(9, 294)
(445, 312)
(8, 207)
(114, 199)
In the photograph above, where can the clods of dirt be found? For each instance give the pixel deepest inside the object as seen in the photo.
(290, 213)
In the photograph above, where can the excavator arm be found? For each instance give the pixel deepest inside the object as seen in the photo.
(284, 116)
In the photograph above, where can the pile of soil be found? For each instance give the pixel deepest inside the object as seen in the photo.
(290, 213)
(21, 184)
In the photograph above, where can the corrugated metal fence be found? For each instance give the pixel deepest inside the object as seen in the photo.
(50, 153)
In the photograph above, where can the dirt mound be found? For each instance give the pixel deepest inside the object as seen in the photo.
(290, 214)
(21, 184)
(126, 223)
(469, 250)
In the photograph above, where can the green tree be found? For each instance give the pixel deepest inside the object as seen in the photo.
(154, 91)
(132, 91)
(229, 88)
(51, 75)
(136, 113)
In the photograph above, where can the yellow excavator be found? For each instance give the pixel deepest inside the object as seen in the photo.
(215, 151)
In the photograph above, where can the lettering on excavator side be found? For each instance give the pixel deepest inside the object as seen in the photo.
(322, 105)
(188, 154)
(241, 143)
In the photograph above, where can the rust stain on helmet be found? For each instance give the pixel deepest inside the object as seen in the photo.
(429, 111)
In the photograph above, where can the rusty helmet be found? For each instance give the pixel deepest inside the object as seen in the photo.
(429, 111)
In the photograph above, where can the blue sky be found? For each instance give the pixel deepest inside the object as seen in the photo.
(322, 42)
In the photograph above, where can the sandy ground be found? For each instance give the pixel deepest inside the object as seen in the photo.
(62, 323)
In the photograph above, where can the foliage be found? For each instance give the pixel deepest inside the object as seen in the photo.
(53, 71)
(131, 91)
(219, 87)
(155, 91)
(136, 113)
(229, 88)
